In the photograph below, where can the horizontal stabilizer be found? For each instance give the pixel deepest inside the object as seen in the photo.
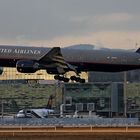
(138, 50)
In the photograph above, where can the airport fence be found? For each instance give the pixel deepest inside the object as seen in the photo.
(70, 122)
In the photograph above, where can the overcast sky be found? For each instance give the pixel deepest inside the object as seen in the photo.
(108, 23)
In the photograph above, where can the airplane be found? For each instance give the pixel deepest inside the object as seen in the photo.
(1, 70)
(39, 112)
(58, 61)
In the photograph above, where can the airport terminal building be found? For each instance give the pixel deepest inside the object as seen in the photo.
(103, 95)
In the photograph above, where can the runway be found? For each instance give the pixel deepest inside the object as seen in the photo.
(69, 133)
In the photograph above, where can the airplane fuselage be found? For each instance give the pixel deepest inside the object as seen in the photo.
(84, 60)
(101, 60)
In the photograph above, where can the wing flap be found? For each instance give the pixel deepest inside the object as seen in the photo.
(54, 58)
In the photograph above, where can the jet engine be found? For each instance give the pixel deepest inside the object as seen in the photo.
(1, 70)
(27, 66)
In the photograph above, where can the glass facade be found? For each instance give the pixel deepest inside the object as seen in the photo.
(100, 94)
(132, 76)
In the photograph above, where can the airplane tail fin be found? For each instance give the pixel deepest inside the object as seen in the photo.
(138, 50)
(50, 102)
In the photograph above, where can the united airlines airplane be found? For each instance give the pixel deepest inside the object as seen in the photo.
(58, 61)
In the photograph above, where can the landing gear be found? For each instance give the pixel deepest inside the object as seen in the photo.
(61, 78)
(77, 79)
(72, 78)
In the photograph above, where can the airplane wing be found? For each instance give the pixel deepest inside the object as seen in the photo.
(55, 59)
(138, 50)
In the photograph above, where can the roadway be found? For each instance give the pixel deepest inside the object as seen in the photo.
(69, 133)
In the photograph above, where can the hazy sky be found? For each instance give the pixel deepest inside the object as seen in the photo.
(108, 23)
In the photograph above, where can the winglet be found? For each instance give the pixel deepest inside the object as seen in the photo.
(138, 50)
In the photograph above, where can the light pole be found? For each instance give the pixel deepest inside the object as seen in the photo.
(124, 95)
(2, 108)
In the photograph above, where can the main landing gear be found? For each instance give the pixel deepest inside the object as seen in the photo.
(73, 78)
(77, 79)
(61, 78)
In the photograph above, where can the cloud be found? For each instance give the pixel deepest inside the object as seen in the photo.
(71, 21)
(109, 39)
(115, 17)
